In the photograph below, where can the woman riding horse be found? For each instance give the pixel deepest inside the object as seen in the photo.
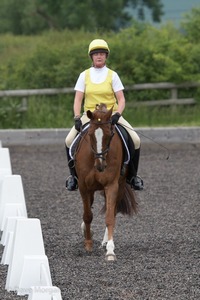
(96, 85)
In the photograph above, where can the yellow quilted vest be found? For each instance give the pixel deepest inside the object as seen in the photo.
(96, 93)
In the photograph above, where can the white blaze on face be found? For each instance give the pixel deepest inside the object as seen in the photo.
(99, 139)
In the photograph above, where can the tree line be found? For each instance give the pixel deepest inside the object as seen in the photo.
(34, 16)
(140, 53)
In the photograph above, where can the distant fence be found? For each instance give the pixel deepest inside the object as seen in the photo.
(24, 94)
(174, 100)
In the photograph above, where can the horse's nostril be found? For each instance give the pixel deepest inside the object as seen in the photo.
(100, 168)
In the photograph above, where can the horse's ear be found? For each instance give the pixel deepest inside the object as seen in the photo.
(109, 113)
(89, 114)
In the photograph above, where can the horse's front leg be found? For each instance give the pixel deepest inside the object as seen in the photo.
(105, 238)
(111, 197)
(110, 255)
(87, 220)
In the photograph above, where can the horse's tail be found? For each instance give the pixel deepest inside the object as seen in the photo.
(127, 205)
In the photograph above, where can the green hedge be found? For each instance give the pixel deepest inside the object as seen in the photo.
(55, 59)
(140, 54)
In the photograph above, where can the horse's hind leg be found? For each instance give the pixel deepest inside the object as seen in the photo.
(87, 220)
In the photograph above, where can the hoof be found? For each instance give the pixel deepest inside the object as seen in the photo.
(88, 245)
(111, 257)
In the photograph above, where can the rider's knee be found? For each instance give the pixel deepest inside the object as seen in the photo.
(70, 137)
(136, 141)
(68, 142)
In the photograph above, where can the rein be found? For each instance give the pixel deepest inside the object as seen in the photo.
(152, 140)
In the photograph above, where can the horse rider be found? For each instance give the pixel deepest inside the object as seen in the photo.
(96, 85)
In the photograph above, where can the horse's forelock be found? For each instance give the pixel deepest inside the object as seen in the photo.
(102, 107)
(101, 113)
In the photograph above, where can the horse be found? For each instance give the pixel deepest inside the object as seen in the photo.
(99, 167)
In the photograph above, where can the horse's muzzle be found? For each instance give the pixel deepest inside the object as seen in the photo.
(100, 164)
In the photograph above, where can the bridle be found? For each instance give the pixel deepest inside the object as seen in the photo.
(101, 155)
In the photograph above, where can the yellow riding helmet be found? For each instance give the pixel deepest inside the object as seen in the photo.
(98, 45)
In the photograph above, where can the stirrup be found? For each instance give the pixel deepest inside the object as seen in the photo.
(137, 183)
(72, 183)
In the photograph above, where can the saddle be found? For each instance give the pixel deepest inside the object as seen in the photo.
(129, 147)
(74, 145)
(122, 132)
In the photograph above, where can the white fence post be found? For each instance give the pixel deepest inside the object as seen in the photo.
(28, 266)
(27, 240)
(7, 239)
(45, 293)
(35, 272)
(5, 163)
(12, 200)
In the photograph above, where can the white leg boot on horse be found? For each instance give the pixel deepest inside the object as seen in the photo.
(105, 238)
(110, 255)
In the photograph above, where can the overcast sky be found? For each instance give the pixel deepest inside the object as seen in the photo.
(175, 9)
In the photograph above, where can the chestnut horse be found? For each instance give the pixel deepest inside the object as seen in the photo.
(99, 167)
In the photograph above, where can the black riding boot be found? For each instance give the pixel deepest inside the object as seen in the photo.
(133, 179)
(72, 181)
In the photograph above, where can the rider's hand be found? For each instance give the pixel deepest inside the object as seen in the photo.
(78, 123)
(115, 118)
